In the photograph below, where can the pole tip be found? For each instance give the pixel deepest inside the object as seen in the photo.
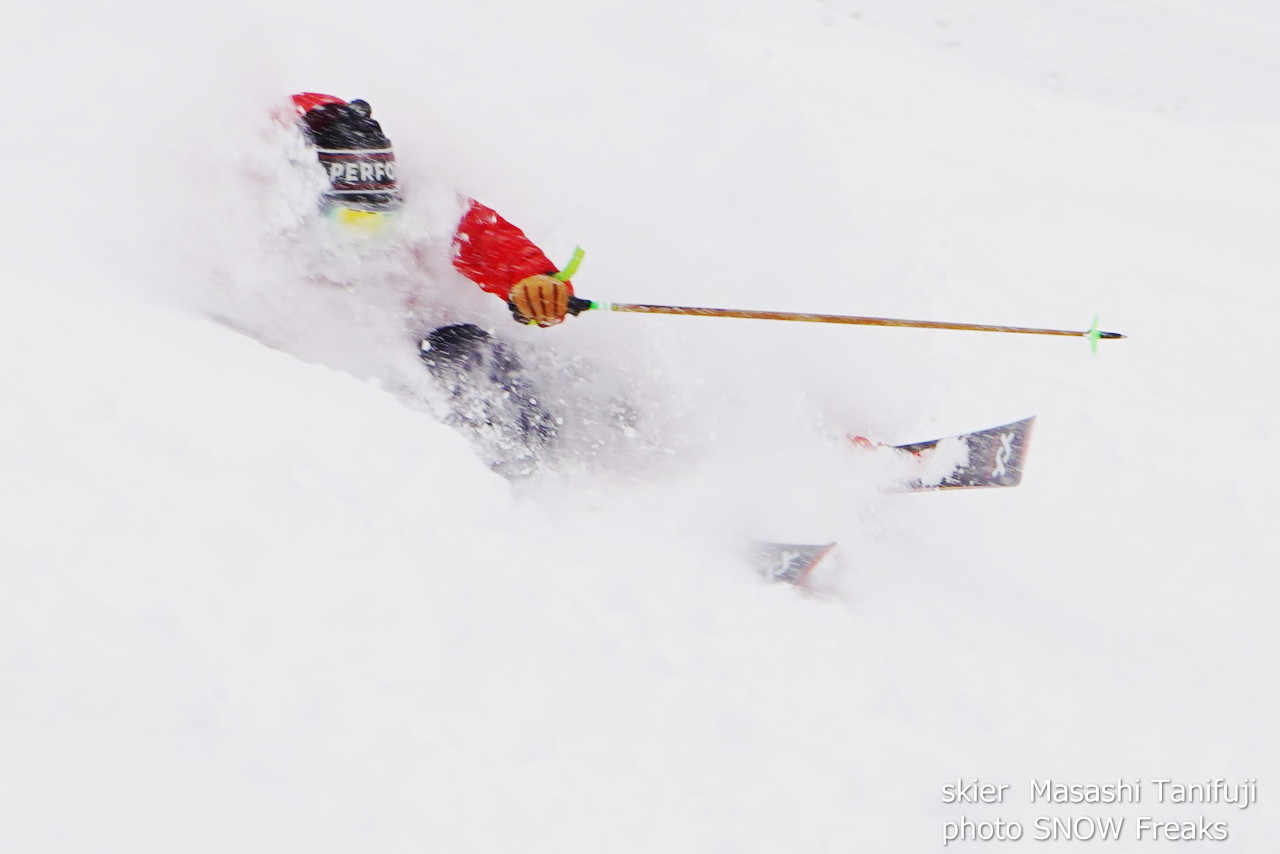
(1095, 334)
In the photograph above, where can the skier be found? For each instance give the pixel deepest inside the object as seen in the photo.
(491, 396)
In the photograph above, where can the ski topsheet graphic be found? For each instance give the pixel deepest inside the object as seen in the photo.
(789, 562)
(984, 459)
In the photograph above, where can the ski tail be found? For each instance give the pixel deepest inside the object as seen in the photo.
(789, 562)
(994, 457)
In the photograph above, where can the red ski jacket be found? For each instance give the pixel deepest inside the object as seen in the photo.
(495, 254)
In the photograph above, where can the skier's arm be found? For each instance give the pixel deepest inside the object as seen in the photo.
(502, 260)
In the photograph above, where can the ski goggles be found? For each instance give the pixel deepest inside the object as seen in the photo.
(358, 221)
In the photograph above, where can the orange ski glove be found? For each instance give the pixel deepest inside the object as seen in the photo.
(541, 299)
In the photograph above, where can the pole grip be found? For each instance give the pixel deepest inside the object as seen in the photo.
(577, 305)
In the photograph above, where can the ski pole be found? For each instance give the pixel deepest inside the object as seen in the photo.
(1093, 333)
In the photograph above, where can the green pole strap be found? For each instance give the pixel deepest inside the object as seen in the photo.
(575, 261)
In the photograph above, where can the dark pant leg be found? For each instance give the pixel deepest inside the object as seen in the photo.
(491, 396)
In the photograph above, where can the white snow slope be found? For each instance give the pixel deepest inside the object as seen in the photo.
(256, 598)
